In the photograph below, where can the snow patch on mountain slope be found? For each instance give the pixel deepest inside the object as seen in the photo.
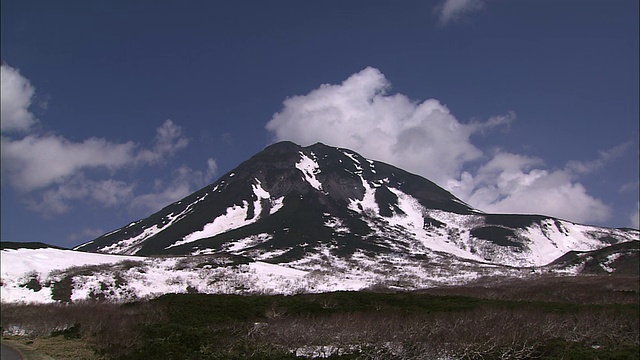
(610, 260)
(541, 244)
(406, 231)
(413, 217)
(41, 261)
(337, 225)
(235, 216)
(237, 246)
(368, 203)
(130, 246)
(266, 255)
(546, 243)
(356, 162)
(309, 168)
(89, 243)
(276, 205)
(259, 191)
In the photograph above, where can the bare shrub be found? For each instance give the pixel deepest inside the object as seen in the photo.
(582, 289)
(108, 326)
(486, 332)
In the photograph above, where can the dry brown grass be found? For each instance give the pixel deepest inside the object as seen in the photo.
(57, 348)
(102, 327)
(582, 289)
(474, 334)
(520, 319)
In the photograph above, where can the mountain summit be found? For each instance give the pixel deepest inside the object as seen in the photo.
(305, 205)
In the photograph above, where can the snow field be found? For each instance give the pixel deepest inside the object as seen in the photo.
(19, 266)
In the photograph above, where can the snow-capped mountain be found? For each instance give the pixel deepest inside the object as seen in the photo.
(292, 204)
(312, 219)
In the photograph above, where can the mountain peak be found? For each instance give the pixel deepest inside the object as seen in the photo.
(282, 146)
(290, 203)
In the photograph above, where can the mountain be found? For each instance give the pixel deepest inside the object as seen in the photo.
(27, 245)
(305, 206)
(622, 258)
(295, 219)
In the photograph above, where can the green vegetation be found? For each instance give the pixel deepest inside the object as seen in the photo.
(62, 289)
(33, 283)
(514, 319)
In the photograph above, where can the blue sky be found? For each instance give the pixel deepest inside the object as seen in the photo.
(111, 110)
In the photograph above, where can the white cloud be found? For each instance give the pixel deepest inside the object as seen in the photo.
(212, 170)
(358, 114)
(16, 93)
(453, 10)
(604, 157)
(52, 171)
(56, 200)
(59, 198)
(37, 161)
(425, 138)
(169, 139)
(494, 121)
(629, 187)
(511, 183)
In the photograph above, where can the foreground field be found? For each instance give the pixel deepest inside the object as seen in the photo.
(581, 317)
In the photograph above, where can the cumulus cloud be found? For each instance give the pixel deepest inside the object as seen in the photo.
(212, 170)
(169, 140)
(604, 157)
(16, 95)
(56, 200)
(59, 198)
(52, 172)
(37, 161)
(358, 114)
(511, 183)
(425, 138)
(450, 11)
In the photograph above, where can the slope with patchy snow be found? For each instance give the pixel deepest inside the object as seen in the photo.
(41, 275)
(49, 275)
(314, 218)
(287, 202)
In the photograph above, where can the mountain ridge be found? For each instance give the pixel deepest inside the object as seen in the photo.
(295, 219)
(289, 202)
